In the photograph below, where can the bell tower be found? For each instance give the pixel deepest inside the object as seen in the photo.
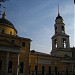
(60, 40)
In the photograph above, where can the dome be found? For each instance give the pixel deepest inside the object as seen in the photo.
(7, 22)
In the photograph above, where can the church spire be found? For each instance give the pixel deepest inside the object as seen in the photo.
(4, 12)
(58, 10)
(4, 8)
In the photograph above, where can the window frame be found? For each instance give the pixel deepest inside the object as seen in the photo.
(21, 67)
(3, 31)
(1, 65)
(23, 44)
(10, 67)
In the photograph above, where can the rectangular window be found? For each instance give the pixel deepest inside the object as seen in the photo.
(43, 69)
(49, 70)
(29, 68)
(55, 70)
(12, 41)
(0, 64)
(36, 69)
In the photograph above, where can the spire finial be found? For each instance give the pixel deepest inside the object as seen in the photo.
(2, 6)
(58, 10)
(4, 15)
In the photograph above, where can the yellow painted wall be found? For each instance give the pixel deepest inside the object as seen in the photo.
(7, 29)
(24, 55)
(6, 40)
(55, 62)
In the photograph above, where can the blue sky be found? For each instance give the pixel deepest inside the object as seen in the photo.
(35, 19)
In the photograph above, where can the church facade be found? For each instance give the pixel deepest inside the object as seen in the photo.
(17, 59)
(14, 50)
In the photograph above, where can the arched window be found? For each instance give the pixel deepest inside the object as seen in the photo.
(12, 41)
(11, 32)
(64, 42)
(43, 70)
(23, 44)
(49, 70)
(36, 69)
(21, 67)
(0, 64)
(62, 29)
(66, 72)
(56, 71)
(55, 41)
(10, 65)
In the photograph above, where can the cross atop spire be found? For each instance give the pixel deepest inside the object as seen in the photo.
(58, 10)
(4, 15)
(3, 7)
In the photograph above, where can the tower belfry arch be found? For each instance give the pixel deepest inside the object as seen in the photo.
(60, 40)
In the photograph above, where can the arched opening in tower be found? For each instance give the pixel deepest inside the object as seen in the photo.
(62, 29)
(64, 43)
(56, 45)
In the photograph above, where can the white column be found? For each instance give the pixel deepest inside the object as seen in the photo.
(34, 72)
(18, 65)
(44, 72)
